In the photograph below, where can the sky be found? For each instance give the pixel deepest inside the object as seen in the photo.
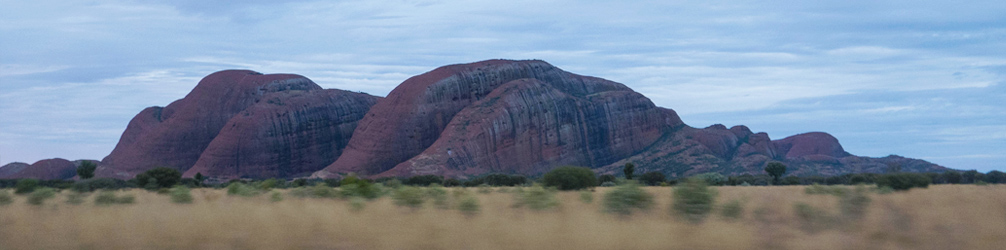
(921, 79)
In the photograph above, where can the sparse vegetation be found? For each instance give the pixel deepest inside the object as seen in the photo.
(25, 186)
(105, 198)
(693, 200)
(536, 198)
(40, 195)
(158, 178)
(626, 199)
(5, 197)
(903, 181)
(652, 178)
(408, 196)
(780, 217)
(570, 178)
(181, 194)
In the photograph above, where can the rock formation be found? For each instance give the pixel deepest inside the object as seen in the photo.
(12, 168)
(495, 116)
(45, 169)
(296, 125)
(500, 116)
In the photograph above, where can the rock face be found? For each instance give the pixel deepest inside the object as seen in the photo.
(281, 112)
(289, 134)
(500, 116)
(47, 169)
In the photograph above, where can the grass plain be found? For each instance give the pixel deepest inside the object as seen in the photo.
(939, 217)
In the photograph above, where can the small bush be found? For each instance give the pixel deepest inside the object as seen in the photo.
(608, 184)
(5, 198)
(25, 186)
(652, 178)
(241, 189)
(75, 198)
(106, 198)
(732, 210)
(693, 200)
(362, 189)
(268, 184)
(181, 194)
(39, 196)
(275, 196)
(570, 178)
(469, 205)
(536, 198)
(625, 199)
(439, 195)
(423, 180)
(586, 196)
(157, 178)
(408, 196)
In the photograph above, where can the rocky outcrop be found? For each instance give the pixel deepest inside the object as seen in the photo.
(47, 169)
(500, 116)
(178, 135)
(687, 151)
(12, 168)
(288, 134)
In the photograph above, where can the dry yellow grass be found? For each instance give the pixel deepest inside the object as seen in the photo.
(940, 217)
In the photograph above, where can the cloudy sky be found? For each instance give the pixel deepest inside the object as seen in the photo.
(921, 79)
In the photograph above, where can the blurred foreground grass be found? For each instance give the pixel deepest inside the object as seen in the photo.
(940, 217)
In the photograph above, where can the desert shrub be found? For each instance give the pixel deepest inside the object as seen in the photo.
(790, 180)
(268, 184)
(776, 170)
(5, 197)
(408, 196)
(241, 189)
(158, 178)
(712, 178)
(39, 196)
(625, 199)
(299, 182)
(469, 205)
(652, 178)
(732, 210)
(570, 178)
(693, 200)
(903, 181)
(393, 183)
(25, 186)
(586, 196)
(812, 219)
(75, 198)
(438, 195)
(362, 189)
(485, 189)
(536, 198)
(181, 194)
(322, 190)
(423, 180)
(105, 198)
(608, 184)
(853, 204)
(275, 196)
(606, 178)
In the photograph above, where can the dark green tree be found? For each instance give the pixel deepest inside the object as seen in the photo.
(776, 170)
(199, 179)
(606, 178)
(86, 170)
(161, 177)
(570, 178)
(629, 170)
